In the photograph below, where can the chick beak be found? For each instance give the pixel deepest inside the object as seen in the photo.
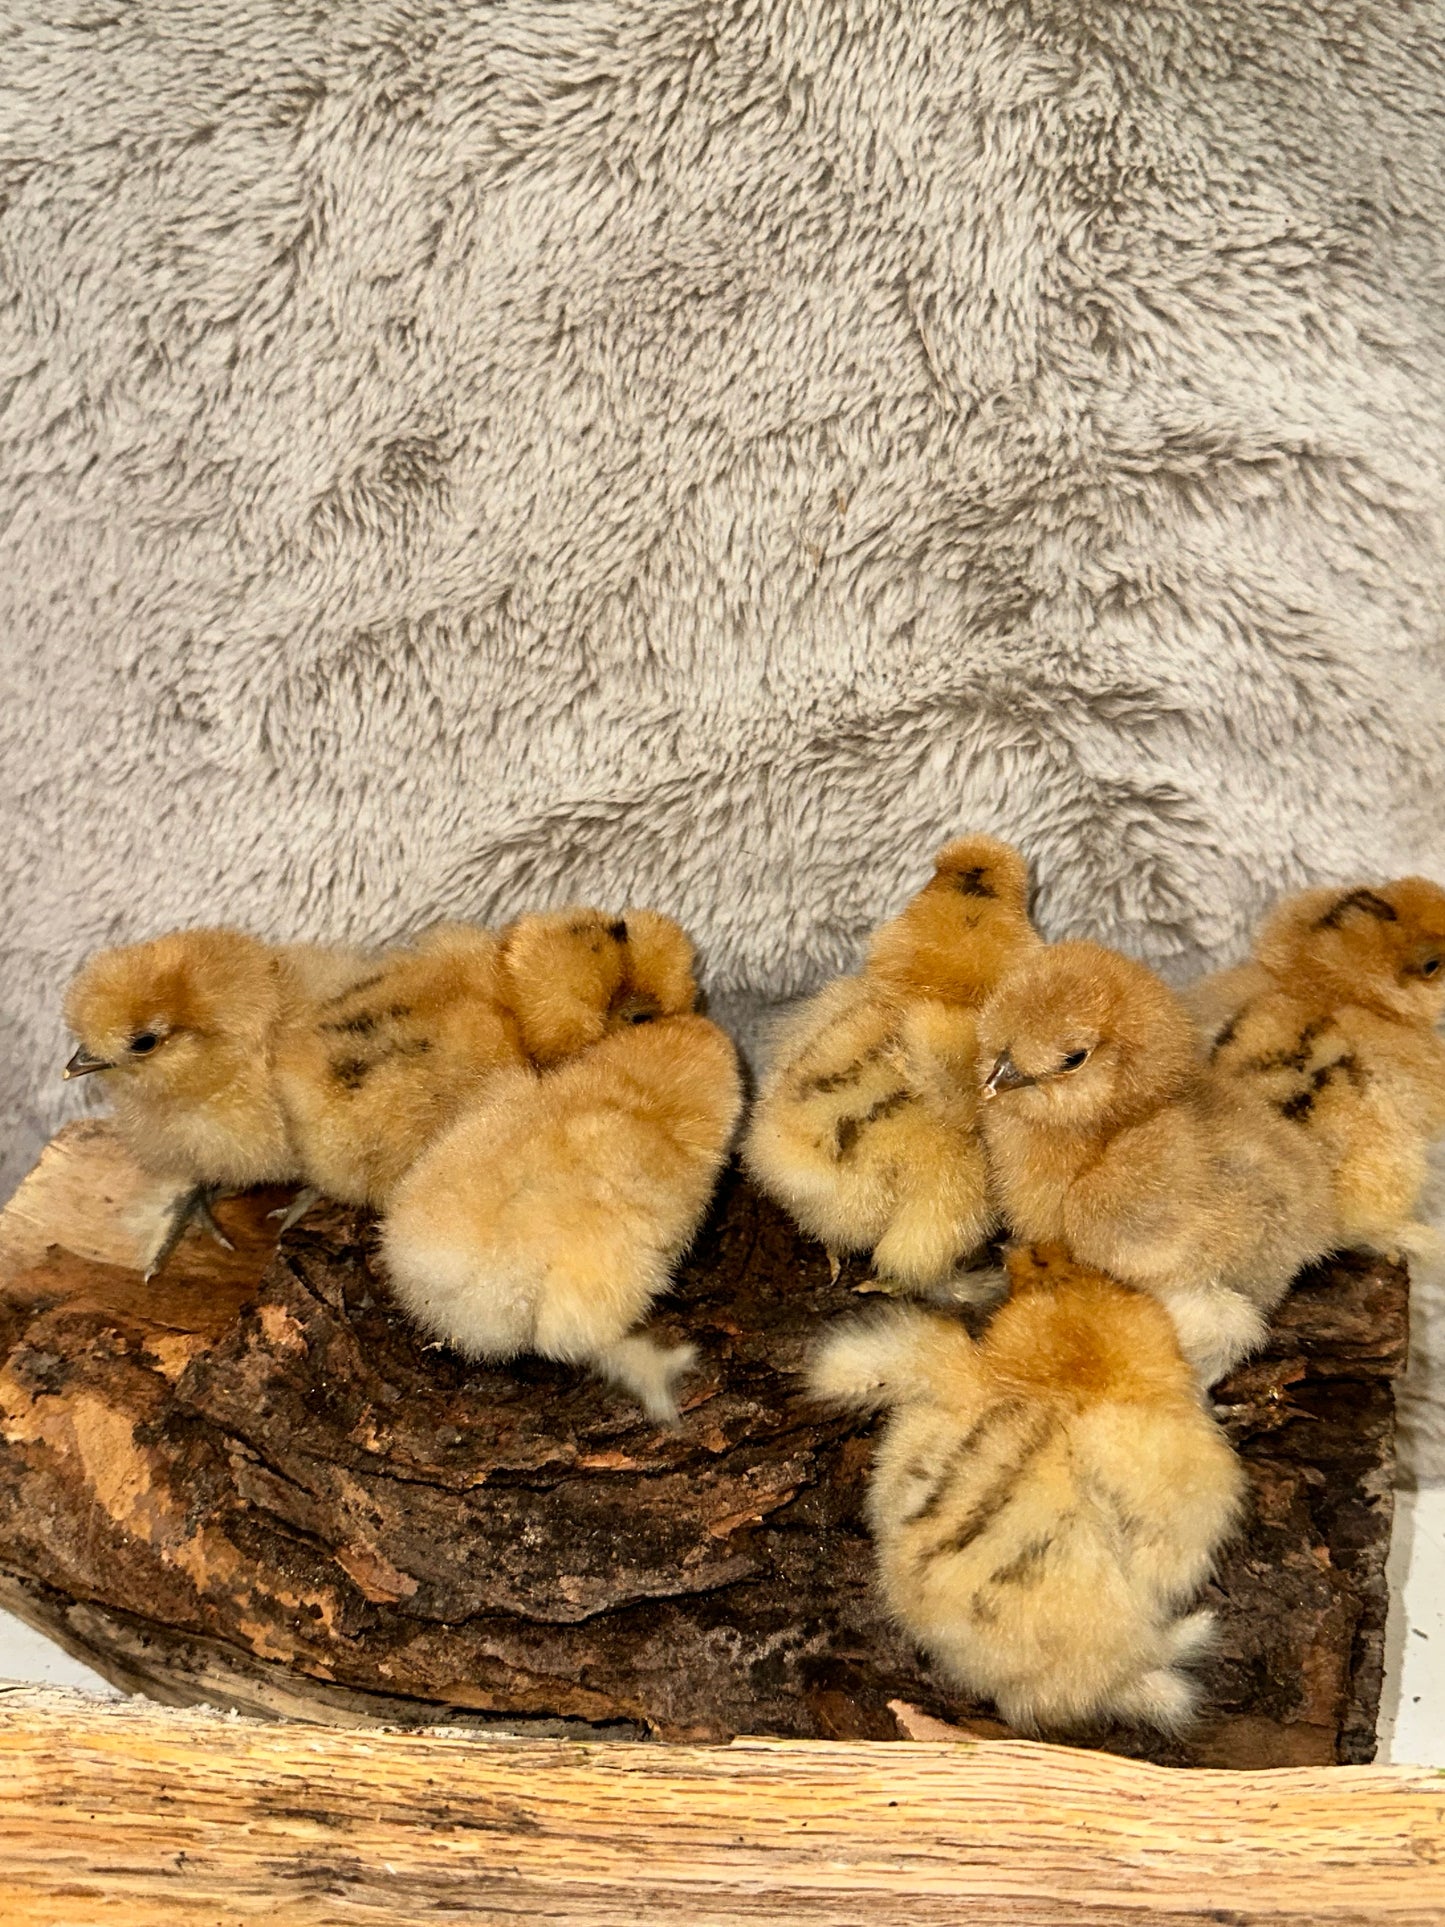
(1006, 1076)
(82, 1064)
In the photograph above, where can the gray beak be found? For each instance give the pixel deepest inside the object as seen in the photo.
(1006, 1076)
(82, 1064)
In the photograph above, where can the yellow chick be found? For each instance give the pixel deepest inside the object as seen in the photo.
(184, 1029)
(369, 1075)
(1334, 1021)
(572, 976)
(1046, 1501)
(551, 1216)
(866, 1126)
(1108, 1135)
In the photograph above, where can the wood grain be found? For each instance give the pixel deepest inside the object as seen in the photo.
(132, 1817)
(249, 1484)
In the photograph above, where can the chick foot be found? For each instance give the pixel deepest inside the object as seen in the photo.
(651, 1372)
(294, 1212)
(195, 1204)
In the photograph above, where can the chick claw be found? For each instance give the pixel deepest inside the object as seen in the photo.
(294, 1212)
(883, 1287)
(195, 1204)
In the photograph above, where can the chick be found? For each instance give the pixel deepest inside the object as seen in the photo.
(183, 1029)
(551, 1216)
(1106, 1133)
(369, 1075)
(1046, 1501)
(1334, 1022)
(866, 1127)
(572, 976)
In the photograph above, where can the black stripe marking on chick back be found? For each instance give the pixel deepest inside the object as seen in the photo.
(1298, 1056)
(1366, 900)
(1127, 1523)
(352, 1072)
(1026, 1568)
(998, 1494)
(353, 990)
(850, 1129)
(1298, 1107)
(970, 883)
(364, 1022)
(996, 1415)
(1224, 1038)
(828, 1081)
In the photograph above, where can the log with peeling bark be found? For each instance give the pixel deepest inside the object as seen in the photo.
(249, 1483)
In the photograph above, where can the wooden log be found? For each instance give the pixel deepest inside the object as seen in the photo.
(249, 1483)
(130, 1817)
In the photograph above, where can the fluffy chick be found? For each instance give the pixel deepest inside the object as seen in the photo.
(1046, 1501)
(1334, 1022)
(369, 1075)
(183, 1029)
(866, 1126)
(550, 1218)
(1107, 1134)
(572, 976)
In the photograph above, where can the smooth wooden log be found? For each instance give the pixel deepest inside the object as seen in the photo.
(262, 1491)
(134, 1817)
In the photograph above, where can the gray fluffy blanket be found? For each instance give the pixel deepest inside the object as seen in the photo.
(456, 457)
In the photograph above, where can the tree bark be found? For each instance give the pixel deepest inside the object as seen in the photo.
(249, 1483)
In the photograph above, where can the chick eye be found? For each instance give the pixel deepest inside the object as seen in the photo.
(1073, 1060)
(641, 1016)
(1430, 966)
(143, 1045)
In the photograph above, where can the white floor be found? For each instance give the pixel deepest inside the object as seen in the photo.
(1412, 1714)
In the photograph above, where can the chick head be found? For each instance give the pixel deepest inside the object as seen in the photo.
(658, 970)
(958, 935)
(166, 1015)
(574, 976)
(1081, 1037)
(1384, 948)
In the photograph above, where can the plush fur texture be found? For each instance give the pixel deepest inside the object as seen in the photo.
(1046, 1502)
(458, 458)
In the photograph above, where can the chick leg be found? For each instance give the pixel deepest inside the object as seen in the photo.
(294, 1212)
(649, 1371)
(195, 1203)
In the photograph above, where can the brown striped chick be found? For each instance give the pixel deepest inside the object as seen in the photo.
(1046, 1501)
(371, 1074)
(549, 1218)
(866, 1126)
(1337, 1027)
(1107, 1134)
(183, 1030)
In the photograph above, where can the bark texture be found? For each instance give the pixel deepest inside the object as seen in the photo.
(250, 1483)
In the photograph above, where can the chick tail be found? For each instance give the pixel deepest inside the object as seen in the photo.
(651, 1372)
(1164, 1697)
(866, 1364)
